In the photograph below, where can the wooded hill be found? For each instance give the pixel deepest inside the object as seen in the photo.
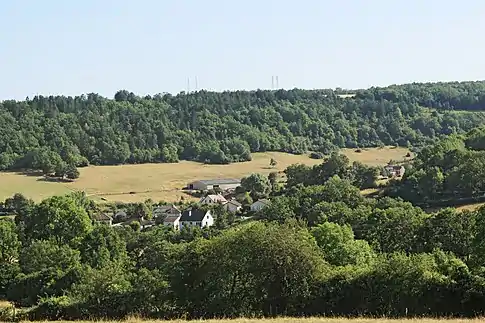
(57, 132)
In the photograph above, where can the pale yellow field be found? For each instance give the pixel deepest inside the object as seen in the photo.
(470, 207)
(164, 181)
(377, 156)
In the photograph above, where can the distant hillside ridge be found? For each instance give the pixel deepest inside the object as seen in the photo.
(219, 128)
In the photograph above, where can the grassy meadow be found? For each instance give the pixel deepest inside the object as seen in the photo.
(164, 181)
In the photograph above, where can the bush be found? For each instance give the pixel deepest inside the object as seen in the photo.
(52, 308)
(317, 155)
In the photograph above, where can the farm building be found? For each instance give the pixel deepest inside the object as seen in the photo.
(213, 199)
(209, 184)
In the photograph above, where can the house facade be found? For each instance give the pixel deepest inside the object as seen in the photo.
(172, 221)
(196, 217)
(233, 206)
(259, 205)
(222, 184)
(213, 199)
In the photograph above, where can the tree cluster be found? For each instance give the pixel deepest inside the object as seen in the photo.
(450, 170)
(317, 249)
(57, 133)
(357, 173)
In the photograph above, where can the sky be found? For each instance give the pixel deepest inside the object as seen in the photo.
(66, 47)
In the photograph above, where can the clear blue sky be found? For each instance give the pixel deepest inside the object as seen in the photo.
(152, 46)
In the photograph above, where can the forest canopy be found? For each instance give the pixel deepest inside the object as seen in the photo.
(58, 133)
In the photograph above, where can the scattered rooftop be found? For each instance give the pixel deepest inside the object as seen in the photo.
(193, 215)
(220, 181)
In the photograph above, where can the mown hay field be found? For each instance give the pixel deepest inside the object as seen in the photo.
(165, 181)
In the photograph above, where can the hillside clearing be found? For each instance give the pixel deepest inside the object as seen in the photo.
(134, 183)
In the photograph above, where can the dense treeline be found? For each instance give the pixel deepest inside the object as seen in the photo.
(450, 170)
(319, 248)
(57, 134)
(443, 96)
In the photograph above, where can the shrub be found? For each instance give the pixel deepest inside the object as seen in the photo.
(317, 155)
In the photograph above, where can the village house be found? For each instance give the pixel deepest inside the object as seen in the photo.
(395, 170)
(212, 199)
(222, 184)
(196, 217)
(145, 223)
(162, 211)
(259, 205)
(233, 206)
(172, 221)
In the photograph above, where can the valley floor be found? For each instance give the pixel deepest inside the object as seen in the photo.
(163, 182)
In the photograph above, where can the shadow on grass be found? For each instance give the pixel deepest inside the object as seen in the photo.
(28, 172)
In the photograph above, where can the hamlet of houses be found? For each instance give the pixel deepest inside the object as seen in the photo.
(171, 216)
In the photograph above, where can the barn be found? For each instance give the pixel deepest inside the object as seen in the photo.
(209, 184)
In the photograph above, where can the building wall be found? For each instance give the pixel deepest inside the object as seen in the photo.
(197, 223)
(232, 208)
(197, 185)
(208, 220)
(174, 224)
(228, 186)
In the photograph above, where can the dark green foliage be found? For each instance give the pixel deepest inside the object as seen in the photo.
(450, 170)
(318, 248)
(61, 218)
(358, 174)
(47, 133)
(317, 155)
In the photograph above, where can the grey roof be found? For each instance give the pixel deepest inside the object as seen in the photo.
(193, 215)
(171, 218)
(234, 202)
(220, 181)
(167, 209)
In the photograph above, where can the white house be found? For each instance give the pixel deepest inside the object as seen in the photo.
(172, 221)
(259, 205)
(196, 217)
(223, 184)
(233, 206)
(212, 199)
